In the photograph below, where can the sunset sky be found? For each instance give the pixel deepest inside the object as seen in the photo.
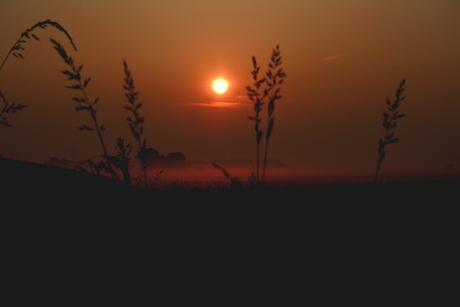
(342, 60)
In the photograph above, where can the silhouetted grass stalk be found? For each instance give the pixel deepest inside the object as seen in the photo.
(121, 160)
(256, 96)
(17, 47)
(16, 51)
(8, 108)
(234, 182)
(389, 123)
(265, 90)
(135, 122)
(275, 77)
(83, 103)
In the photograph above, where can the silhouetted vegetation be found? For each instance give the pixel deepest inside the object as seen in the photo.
(389, 123)
(17, 48)
(8, 108)
(84, 103)
(235, 182)
(121, 159)
(135, 122)
(265, 91)
(16, 51)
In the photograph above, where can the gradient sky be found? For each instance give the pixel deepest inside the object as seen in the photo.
(342, 60)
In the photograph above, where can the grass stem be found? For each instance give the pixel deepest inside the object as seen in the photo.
(389, 123)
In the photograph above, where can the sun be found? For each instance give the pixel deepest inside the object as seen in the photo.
(220, 86)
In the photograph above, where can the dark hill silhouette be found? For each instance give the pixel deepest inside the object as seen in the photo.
(34, 182)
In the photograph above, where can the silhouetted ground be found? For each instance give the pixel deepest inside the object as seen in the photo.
(339, 239)
(32, 183)
(49, 191)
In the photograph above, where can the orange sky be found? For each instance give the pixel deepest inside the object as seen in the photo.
(342, 59)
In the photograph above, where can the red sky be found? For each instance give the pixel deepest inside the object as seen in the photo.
(342, 59)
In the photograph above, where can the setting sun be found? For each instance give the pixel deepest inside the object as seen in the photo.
(220, 86)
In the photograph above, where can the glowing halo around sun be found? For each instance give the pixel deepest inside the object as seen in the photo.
(220, 86)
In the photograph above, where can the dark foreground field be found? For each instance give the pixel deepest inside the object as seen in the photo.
(337, 242)
(32, 183)
(68, 194)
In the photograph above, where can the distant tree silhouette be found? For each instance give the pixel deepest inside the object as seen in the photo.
(177, 160)
(171, 160)
(152, 155)
(177, 157)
